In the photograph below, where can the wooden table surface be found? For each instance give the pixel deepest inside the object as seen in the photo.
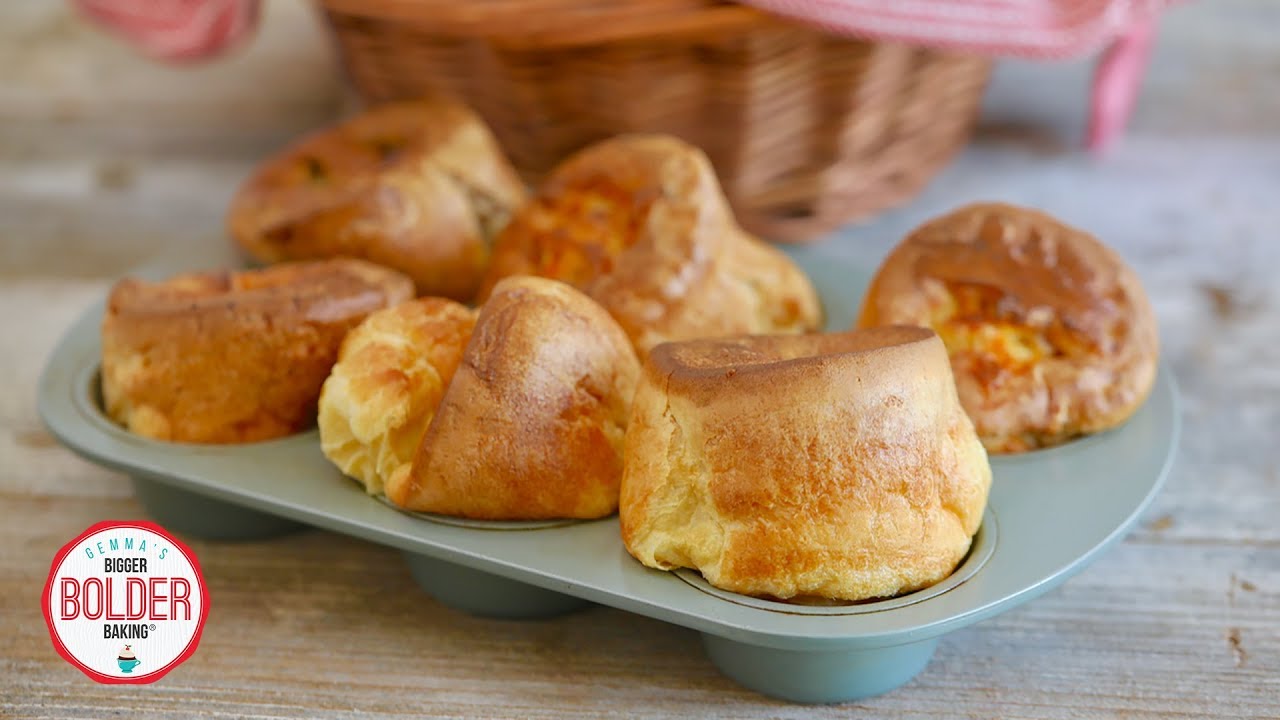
(106, 160)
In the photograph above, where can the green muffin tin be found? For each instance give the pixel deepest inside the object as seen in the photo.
(1050, 513)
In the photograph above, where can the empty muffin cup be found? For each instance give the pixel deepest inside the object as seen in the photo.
(481, 593)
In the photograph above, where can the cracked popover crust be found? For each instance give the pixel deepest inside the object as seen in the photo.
(232, 357)
(385, 388)
(517, 413)
(418, 186)
(836, 466)
(639, 223)
(1050, 333)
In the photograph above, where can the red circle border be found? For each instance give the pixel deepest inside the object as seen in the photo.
(47, 595)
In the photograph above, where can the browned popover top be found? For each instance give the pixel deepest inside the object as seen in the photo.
(531, 425)
(838, 466)
(320, 291)
(639, 223)
(420, 186)
(226, 357)
(1050, 333)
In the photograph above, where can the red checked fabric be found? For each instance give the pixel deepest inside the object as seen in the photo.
(186, 30)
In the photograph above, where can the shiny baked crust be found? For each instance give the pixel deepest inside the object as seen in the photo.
(419, 186)
(838, 466)
(1050, 333)
(515, 414)
(230, 357)
(640, 224)
(384, 390)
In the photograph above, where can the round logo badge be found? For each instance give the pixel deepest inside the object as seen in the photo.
(125, 602)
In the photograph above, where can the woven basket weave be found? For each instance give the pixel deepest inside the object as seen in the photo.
(807, 131)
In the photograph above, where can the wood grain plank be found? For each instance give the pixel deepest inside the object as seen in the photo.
(336, 625)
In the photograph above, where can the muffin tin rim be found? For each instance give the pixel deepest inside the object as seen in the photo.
(970, 565)
(633, 588)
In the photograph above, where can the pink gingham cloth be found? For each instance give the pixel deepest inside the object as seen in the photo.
(176, 30)
(1042, 29)
(184, 30)
(1026, 28)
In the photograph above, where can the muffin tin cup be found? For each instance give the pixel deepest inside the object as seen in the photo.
(1050, 513)
(487, 595)
(818, 676)
(203, 517)
(481, 593)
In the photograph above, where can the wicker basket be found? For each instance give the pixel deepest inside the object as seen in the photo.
(807, 131)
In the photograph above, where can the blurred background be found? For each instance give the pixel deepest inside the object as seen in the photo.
(107, 157)
(148, 154)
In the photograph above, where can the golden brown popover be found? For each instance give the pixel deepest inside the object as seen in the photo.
(384, 390)
(418, 186)
(640, 224)
(1050, 333)
(520, 417)
(231, 357)
(837, 466)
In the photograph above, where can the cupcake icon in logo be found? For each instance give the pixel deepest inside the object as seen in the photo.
(127, 659)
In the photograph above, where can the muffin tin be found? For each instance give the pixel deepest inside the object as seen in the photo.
(1051, 512)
